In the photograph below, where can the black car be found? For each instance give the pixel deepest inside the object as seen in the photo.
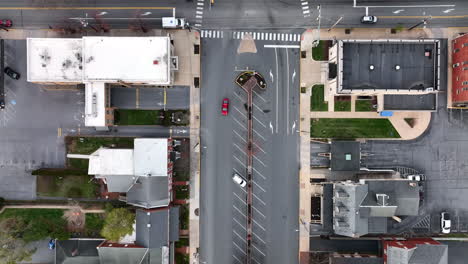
(12, 73)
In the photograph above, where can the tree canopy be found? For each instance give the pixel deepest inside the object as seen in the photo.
(119, 222)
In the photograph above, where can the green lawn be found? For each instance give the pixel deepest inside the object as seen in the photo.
(317, 102)
(87, 145)
(39, 223)
(364, 106)
(70, 186)
(130, 117)
(183, 242)
(319, 53)
(342, 106)
(184, 216)
(349, 128)
(182, 258)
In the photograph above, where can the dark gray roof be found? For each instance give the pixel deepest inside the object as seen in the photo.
(77, 251)
(119, 183)
(149, 192)
(119, 255)
(345, 156)
(157, 228)
(426, 102)
(416, 73)
(377, 225)
(347, 220)
(430, 254)
(422, 254)
(356, 260)
(174, 224)
(405, 197)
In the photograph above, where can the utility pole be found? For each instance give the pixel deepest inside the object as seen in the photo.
(424, 21)
(319, 18)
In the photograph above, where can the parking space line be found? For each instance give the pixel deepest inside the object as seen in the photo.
(239, 161)
(259, 251)
(239, 247)
(255, 260)
(258, 198)
(258, 237)
(259, 186)
(239, 211)
(255, 157)
(237, 259)
(239, 224)
(241, 137)
(259, 121)
(261, 227)
(239, 123)
(258, 147)
(259, 135)
(261, 110)
(239, 110)
(258, 211)
(242, 200)
(239, 148)
(238, 96)
(261, 175)
(241, 237)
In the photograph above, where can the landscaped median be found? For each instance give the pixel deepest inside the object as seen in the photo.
(351, 128)
(137, 117)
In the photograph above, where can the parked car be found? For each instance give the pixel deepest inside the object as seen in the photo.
(239, 180)
(225, 107)
(51, 244)
(417, 177)
(369, 19)
(12, 73)
(445, 222)
(2, 104)
(5, 23)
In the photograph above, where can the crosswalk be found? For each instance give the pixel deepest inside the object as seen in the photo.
(305, 8)
(255, 35)
(199, 13)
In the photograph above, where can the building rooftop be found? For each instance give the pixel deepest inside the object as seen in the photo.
(77, 251)
(345, 156)
(54, 60)
(410, 102)
(149, 192)
(415, 251)
(127, 59)
(95, 104)
(150, 156)
(397, 65)
(157, 228)
(107, 161)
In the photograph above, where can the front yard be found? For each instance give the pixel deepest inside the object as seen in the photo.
(317, 99)
(351, 128)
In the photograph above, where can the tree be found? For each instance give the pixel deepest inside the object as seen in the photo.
(119, 222)
(13, 249)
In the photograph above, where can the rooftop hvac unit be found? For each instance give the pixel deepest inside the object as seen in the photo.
(382, 199)
(94, 105)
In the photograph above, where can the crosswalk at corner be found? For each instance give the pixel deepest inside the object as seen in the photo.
(266, 36)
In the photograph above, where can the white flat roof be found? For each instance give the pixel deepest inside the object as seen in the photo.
(111, 162)
(150, 156)
(95, 104)
(54, 60)
(128, 59)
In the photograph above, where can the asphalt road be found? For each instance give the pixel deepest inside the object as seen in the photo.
(275, 162)
(227, 14)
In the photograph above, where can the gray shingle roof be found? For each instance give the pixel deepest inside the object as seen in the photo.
(422, 254)
(346, 218)
(119, 255)
(345, 156)
(119, 183)
(157, 228)
(149, 192)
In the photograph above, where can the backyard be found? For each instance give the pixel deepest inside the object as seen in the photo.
(364, 106)
(317, 99)
(350, 128)
(66, 185)
(130, 117)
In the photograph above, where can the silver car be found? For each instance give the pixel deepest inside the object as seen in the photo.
(239, 180)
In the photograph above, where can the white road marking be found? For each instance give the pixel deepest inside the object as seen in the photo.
(259, 135)
(199, 8)
(304, 3)
(258, 186)
(237, 259)
(258, 211)
(271, 76)
(256, 261)
(243, 164)
(255, 222)
(258, 147)
(241, 225)
(198, 16)
(287, 93)
(239, 248)
(259, 121)
(239, 111)
(276, 59)
(200, 12)
(258, 237)
(198, 25)
(238, 197)
(242, 238)
(293, 76)
(259, 109)
(200, 3)
(240, 149)
(259, 251)
(261, 175)
(238, 96)
(282, 46)
(263, 99)
(241, 137)
(255, 157)
(305, 7)
(240, 123)
(306, 12)
(258, 198)
(239, 211)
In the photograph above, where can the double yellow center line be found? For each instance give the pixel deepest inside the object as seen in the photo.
(422, 17)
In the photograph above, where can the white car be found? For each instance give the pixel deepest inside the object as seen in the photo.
(445, 222)
(417, 177)
(239, 180)
(369, 19)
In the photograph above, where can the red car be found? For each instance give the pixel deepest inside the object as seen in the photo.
(5, 23)
(225, 107)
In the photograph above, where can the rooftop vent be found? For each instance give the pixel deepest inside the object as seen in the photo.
(382, 199)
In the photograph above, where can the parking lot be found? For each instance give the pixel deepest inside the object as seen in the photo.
(30, 126)
(151, 98)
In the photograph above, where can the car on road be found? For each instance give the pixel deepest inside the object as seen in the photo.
(416, 177)
(445, 222)
(239, 180)
(5, 23)
(369, 19)
(12, 73)
(225, 107)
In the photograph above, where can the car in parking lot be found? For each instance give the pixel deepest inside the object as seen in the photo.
(369, 19)
(445, 222)
(239, 180)
(225, 107)
(12, 73)
(6, 23)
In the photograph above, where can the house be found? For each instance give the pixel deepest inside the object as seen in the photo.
(402, 74)
(156, 231)
(414, 251)
(143, 174)
(363, 207)
(98, 62)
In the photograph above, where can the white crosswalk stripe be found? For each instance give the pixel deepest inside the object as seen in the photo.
(259, 36)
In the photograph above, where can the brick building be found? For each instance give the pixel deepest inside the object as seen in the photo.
(460, 71)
